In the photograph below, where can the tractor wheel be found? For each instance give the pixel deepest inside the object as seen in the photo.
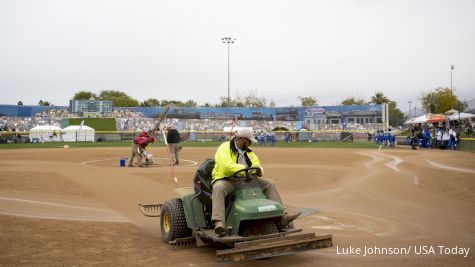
(173, 221)
(269, 228)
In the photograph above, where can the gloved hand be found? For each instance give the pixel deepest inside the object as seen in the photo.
(258, 171)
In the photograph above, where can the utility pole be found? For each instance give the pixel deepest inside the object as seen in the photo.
(409, 114)
(452, 67)
(228, 40)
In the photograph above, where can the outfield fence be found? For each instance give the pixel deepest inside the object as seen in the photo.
(278, 136)
(467, 144)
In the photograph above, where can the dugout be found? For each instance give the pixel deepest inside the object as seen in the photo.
(45, 133)
(346, 137)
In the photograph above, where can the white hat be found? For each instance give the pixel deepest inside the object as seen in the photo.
(246, 133)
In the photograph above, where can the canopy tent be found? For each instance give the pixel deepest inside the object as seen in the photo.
(432, 118)
(420, 119)
(451, 112)
(463, 116)
(427, 118)
(45, 133)
(78, 133)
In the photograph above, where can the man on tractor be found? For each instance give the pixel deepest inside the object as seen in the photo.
(231, 157)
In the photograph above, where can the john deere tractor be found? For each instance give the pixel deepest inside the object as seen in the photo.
(252, 220)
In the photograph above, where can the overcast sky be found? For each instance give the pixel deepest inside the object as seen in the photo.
(330, 50)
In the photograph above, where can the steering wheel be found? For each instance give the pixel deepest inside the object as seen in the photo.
(248, 171)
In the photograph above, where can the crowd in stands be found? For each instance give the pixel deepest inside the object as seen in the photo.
(24, 124)
(130, 120)
(132, 124)
(64, 113)
(125, 113)
(54, 113)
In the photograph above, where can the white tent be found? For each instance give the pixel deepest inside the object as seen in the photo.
(420, 119)
(78, 133)
(463, 116)
(45, 133)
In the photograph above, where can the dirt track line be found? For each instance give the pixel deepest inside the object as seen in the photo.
(442, 166)
(393, 164)
(192, 162)
(377, 157)
(66, 218)
(52, 204)
(96, 160)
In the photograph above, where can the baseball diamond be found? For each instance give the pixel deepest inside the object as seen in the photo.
(78, 206)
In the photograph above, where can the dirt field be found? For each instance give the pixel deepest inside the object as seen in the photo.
(78, 207)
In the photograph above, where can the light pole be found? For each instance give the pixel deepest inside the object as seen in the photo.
(409, 114)
(452, 67)
(228, 40)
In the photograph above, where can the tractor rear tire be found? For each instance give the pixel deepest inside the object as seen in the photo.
(173, 221)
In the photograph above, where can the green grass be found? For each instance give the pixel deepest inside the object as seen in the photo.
(190, 144)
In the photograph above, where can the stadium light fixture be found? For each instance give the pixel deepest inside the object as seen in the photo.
(228, 40)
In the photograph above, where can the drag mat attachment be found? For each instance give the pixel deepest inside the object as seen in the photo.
(150, 210)
(183, 242)
(271, 247)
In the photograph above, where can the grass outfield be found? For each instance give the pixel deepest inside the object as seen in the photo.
(189, 144)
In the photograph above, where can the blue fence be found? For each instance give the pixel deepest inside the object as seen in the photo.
(275, 114)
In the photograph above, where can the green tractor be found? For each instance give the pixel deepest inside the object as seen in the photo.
(252, 220)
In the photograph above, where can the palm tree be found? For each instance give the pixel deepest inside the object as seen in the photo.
(379, 98)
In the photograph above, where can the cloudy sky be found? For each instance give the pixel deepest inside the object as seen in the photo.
(330, 50)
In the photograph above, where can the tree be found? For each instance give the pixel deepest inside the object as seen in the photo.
(379, 98)
(396, 117)
(250, 100)
(20, 103)
(120, 99)
(440, 100)
(190, 103)
(253, 101)
(84, 95)
(352, 101)
(308, 101)
(177, 103)
(43, 103)
(151, 102)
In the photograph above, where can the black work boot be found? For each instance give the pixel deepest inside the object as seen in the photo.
(219, 228)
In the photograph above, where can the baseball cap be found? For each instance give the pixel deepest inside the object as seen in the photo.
(246, 133)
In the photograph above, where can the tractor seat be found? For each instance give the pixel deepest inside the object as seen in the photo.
(202, 181)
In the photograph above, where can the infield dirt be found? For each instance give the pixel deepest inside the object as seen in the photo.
(76, 206)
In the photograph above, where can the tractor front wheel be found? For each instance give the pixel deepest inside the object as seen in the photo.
(269, 228)
(173, 221)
